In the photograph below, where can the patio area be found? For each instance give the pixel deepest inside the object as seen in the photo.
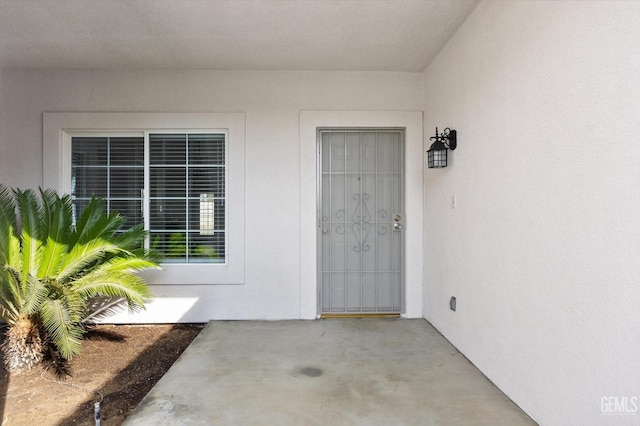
(334, 371)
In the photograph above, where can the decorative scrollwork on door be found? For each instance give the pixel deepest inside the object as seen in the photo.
(361, 226)
(361, 233)
(362, 208)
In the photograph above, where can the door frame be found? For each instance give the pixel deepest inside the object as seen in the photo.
(414, 153)
(319, 189)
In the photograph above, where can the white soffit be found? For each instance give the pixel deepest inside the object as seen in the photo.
(349, 35)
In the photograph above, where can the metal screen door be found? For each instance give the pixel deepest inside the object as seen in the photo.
(360, 223)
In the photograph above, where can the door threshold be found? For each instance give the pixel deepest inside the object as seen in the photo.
(358, 315)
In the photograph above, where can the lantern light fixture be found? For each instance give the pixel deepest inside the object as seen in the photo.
(437, 154)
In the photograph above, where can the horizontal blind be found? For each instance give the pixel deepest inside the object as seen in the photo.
(111, 168)
(187, 196)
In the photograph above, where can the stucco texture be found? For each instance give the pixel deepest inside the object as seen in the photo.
(542, 248)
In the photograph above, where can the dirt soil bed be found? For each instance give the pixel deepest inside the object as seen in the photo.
(122, 362)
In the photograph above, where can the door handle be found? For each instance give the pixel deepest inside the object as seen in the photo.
(397, 226)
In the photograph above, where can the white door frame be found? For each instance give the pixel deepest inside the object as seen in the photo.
(411, 121)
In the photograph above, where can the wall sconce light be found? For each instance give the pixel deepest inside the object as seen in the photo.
(437, 154)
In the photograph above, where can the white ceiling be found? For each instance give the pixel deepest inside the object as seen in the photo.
(367, 35)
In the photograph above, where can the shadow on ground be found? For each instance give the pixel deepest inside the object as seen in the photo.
(125, 390)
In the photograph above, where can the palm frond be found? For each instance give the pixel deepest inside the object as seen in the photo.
(30, 231)
(34, 296)
(19, 298)
(14, 253)
(113, 283)
(131, 239)
(47, 200)
(94, 223)
(65, 333)
(83, 256)
(7, 224)
(57, 223)
(106, 227)
(12, 294)
(10, 255)
(8, 312)
(131, 264)
(92, 213)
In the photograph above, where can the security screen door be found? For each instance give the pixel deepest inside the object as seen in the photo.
(361, 221)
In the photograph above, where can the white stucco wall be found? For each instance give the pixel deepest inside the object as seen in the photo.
(542, 250)
(272, 103)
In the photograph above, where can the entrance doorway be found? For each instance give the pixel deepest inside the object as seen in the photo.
(360, 221)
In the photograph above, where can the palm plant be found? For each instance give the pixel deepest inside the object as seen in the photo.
(50, 268)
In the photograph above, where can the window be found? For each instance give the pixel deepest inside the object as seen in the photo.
(181, 175)
(111, 168)
(182, 202)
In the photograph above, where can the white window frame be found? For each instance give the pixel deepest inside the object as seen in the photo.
(58, 128)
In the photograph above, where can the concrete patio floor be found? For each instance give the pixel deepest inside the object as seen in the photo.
(334, 371)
